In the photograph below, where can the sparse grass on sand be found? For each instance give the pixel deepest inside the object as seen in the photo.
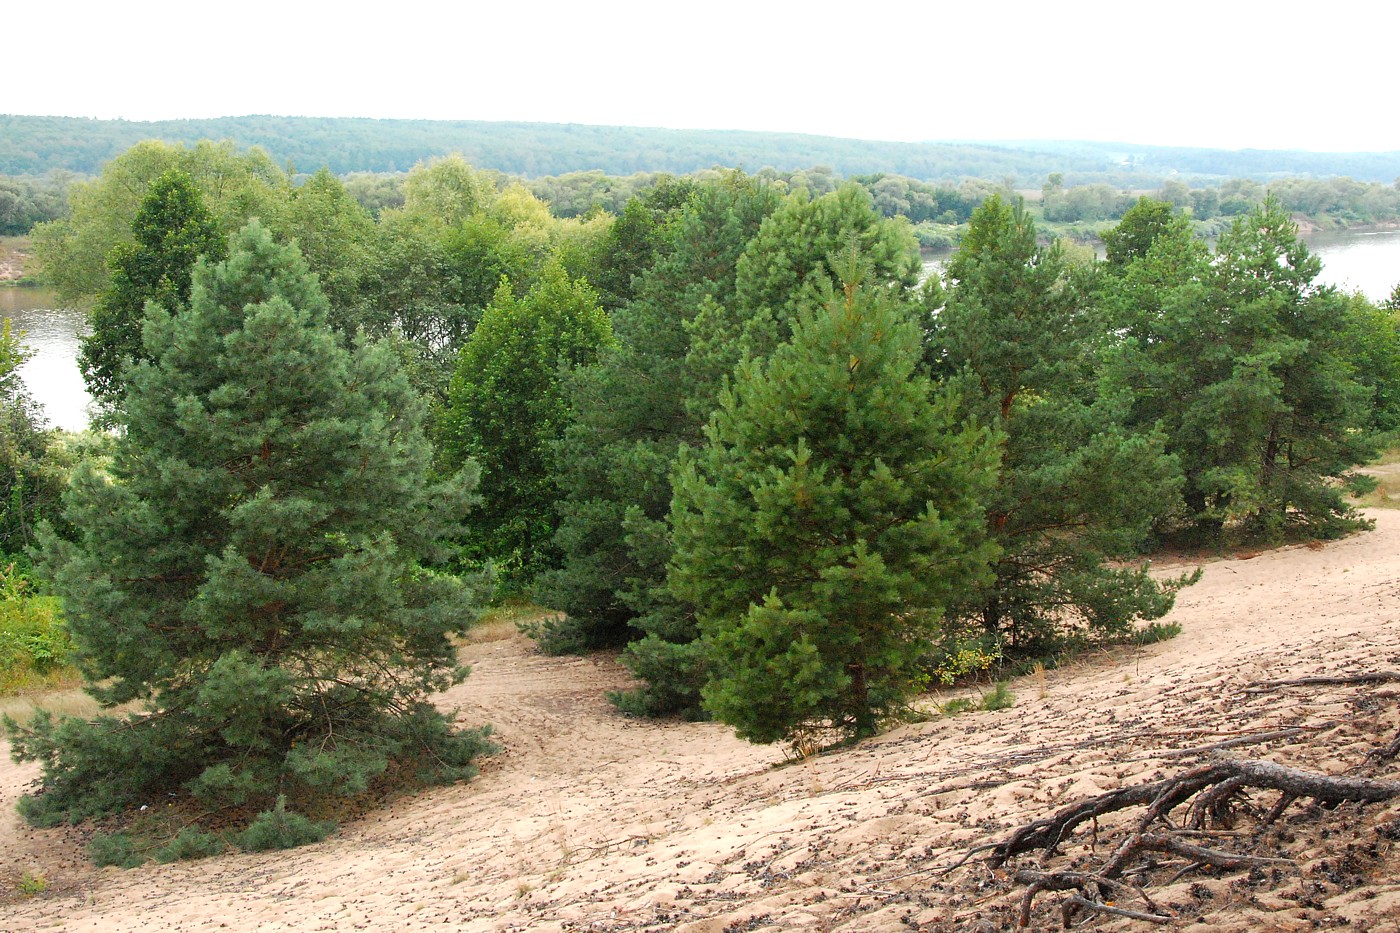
(1386, 495)
(66, 701)
(501, 622)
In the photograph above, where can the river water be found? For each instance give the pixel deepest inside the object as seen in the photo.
(1368, 262)
(52, 334)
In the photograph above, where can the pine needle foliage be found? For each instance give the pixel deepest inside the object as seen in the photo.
(1267, 385)
(252, 567)
(1079, 486)
(833, 515)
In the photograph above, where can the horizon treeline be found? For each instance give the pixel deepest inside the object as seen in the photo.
(939, 211)
(31, 145)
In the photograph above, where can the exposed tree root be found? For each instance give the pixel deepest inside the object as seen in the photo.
(1371, 677)
(1214, 791)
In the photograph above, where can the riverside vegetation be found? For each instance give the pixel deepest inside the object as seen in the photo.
(729, 430)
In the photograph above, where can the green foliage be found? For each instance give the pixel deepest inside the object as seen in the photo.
(634, 241)
(957, 658)
(1000, 697)
(280, 828)
(30, 484)
(1133, 236)
(35, 145)
(506, 408)
(719, 293)
(1078, 486)
(336, 236)
(1264, 383)
(1370, 341)
(1392, 301)
(629, 417)
(32, 884)
(115, 849)
(251, 566)
(236, 186)
(831, 518)
(190, 843)
(788, 262)
(25, 202)
(447, 190)
(671, 675)
(33, 640)
(172, 229)
(135, 847)
(956, 706)
(917, 201)
(1154, 632)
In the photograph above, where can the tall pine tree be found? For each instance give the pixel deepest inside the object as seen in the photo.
(630, 416)
(251, 567)
(832, 517)
(1253, 372)
(1078, 487)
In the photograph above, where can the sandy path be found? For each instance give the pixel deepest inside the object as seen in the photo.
(590, 821)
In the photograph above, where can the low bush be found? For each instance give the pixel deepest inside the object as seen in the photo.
(280, 828)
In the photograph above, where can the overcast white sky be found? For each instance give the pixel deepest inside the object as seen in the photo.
(1280, 75)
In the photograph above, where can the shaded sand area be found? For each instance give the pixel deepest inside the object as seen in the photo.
(591, 821)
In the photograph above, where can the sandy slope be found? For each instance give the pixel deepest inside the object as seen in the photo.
(589, 821)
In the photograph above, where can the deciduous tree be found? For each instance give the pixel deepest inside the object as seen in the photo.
(506, 407)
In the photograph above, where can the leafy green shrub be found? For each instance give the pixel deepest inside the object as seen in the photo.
(280, 828)
(958, 657)
(33, 639)
(32, 884)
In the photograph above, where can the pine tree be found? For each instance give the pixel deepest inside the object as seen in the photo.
(833, 515)
(251, 567)
(630, 416)
(1265, 384)
(1291, 404)
(172, 229)
(788, 263)
(1078, 487)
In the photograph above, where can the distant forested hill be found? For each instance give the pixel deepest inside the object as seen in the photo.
(37, 145)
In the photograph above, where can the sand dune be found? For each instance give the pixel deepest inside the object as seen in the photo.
(591, 821)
